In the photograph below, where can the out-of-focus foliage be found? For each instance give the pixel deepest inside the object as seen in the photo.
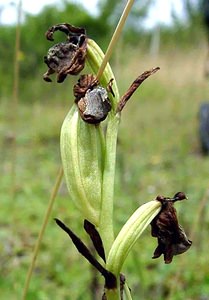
(33, 45)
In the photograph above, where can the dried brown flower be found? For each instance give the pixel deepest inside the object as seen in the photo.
(172, 239)
(92, 99)
(66, 57)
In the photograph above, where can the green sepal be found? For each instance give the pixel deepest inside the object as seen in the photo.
(82, 153)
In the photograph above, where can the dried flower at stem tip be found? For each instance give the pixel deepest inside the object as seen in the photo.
(134, 86)
(66, 57)
(92, 100)
(172, 239)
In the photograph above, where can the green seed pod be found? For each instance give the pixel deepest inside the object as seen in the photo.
(82, 152)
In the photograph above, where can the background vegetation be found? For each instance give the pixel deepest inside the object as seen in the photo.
(158, 153)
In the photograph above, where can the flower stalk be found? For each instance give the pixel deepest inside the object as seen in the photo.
(95, 57)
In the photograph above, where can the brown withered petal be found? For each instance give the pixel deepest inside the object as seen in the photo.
(85, 82)
(66, 57)
(134, 86)
(95, 237)
(172, 239)
(68, 29)
(110, 279)
(92, 100)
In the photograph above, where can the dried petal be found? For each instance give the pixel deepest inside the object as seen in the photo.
(134, 86)
(85, 82)
(172, 239)
(67, 57)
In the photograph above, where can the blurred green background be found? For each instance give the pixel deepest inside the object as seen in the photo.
(158, 153)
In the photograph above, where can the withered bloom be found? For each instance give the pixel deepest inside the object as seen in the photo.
(92, 99)
(66, 57)
(172, 239)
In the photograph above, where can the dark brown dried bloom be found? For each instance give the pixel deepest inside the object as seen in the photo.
(67, 57)
(85, 82)
(172, 239)
(92, 99)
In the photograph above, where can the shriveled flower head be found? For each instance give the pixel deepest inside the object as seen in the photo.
(172, 239)
(66, 57)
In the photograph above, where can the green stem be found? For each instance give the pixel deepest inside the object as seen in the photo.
(127, 292)
(106, 213)
(95, 57)
(113, 294)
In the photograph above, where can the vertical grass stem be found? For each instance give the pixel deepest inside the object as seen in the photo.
(41, 233)
(115, 37)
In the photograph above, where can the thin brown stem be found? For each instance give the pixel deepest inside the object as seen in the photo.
(41, 233)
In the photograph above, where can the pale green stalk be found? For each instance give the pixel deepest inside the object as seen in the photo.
(127, 292)
(41, 232)
(113, 294)
(106, 213)
(115, 37)
(95, 57)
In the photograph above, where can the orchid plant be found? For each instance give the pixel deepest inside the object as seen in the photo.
(88, 153)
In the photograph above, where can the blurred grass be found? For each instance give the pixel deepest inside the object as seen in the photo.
(158, 153)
